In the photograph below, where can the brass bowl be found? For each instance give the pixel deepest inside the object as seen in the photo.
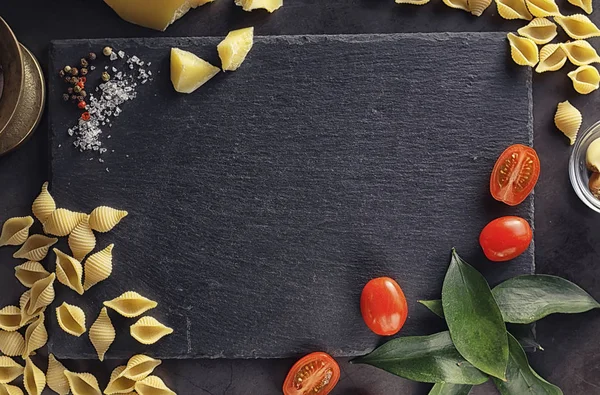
(11, 62)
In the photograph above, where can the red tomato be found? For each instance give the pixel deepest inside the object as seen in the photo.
(316, 373)
(505, 238)
(515, 174)
(383, 306)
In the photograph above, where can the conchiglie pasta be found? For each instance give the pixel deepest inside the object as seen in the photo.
(36, 336)
(42, 294)
(580, 52)
(139, 367)
(585, 5)
(62, 222)
(30, 272)
(552, 58)
(586, 79)
(10, 318)
(55, 376)
(98, 267)
(69, 271)
(12, 343)
(15, 231)
(71, 319)
(412, 2)
(477, 7)
(9, 370)
(34, 379)
(119, 384)
(152, 385)
(104, 218)
(459, 4)
(6, 389)
(44, 205)
(83, 383)
(542, 8)
(35, 248)
(131, 304)
(539, 30)
(148, 330)
(24, 303)
(82, 240)
(102, 334)
(578, 26)
(524, 51)
(568, 120)
(513, 9)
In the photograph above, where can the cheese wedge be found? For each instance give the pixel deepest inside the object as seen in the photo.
(234, 48)
(189, 72)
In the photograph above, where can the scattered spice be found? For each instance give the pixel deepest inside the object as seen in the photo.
(83, 79)
(79, 98)
(67, 69)
(91, 56)
(83, 93)
(85, 116)
(105, 76)
(80, 84)
(74, 80)
(83, 62)
(107, 51)
(74, 71)
(73, 97)
(70, 90)
(77, 89)
(61, 73)
(81, 105)
(65, 96)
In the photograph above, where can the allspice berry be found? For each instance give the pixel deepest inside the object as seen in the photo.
(74, 71)
(107, 51)
(83, 62)
(84, 71)
(91, 56)
(83, 93)
(77, 89)
(67, 69)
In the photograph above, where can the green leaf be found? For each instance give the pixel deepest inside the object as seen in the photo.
(427, 359)
(474, 319)
(435, 306)
(450, 389)
(521, 379)
(528, 298)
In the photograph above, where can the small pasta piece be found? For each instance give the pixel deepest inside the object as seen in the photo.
(524, 51)
(513, 9)
(69, 271)
(34, 379)
(119, 384)
(83, 383)
(12, 344)
(82, 240)
(139, 367)
(24, 303)
(542, 8)
(44, 205)
(102, 333)
(131, 304)
(152, 385)
(71, 319)
(580, 52)
(30, 272)
(148, 330)
(55, 376)
(15, 231)
(98, 267)
(35, 248)
(104, 218)
(10, 318)
(568, 120)
(578, 26)
(552, 58)
(9, 370)
(458, 4)
(62, 222)
(539, 30)
(586, 79)
(7, 389)
(412, 2)
(477, 7)
(585, 5)
(36, 336)
(42, 294)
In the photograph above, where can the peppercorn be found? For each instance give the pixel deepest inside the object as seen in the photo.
(61, 73)
(83, 93)
(91, 56)
(68, 80)
(83, 62)
(80, 84)
(70, 90)
(74, 71)
(85, 116)
(65, 96)
(67, 69)
(84, 71)
(74, 80)
(83, 79)
(105, 76)
(77, 89)
(73, 97)
(107, 51)
(81, 105)
(79, 98)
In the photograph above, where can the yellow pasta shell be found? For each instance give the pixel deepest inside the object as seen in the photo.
(131, 304)
(148, 330)
(104, 218)
(542, 8)
(30, 272)
(477, 7)
(459, 4)
(10, 318)
(71, 319)
(43, 205)
(34, 379)
(539, 30)
(513, 9)
(568, 120)
(55, 376)
(62, 222)
(552, 58)
(578, 26)
(524, 51)
(152, 385)
(119, 384)
(42, 294)
(102, 333)
(98, 267)
(15, 231)
(69, 271)
(580, 52)
(6, 389)
(585, 5)
(83, 383)
(9, 370)
(412, 2)
(82, 240)
(35, 248)
(36, 336)
(586, 79)
(24, 303)
(12, 343)
(139, 367)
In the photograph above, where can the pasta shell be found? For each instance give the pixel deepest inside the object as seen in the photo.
(459, 4)
(36, 336)
(513, 9)
(581, 52)
(30, 272)
(83, 383)
(15, 231)
(139, 367)
(148, 330)
(69, 271)
(477, 7)
(24, 303)
(9, 370)
(568, 120)
(552, 58)
(6, 389)
(152, 385)
(10, 318)
(102, 333)
(71, 319)
(98, 267)
(62, 222)
(119, 384)
(35, 248)
(12, 343)
(524, 52)
(412, 2)
(578, 26)
(55, 376)
(34, 379)
(586, 79)
(539, 30)
(131, 304)
(82, 240)
(42, 294)
(585, 5)
(43, 205)
(542, 8)
(103, 218)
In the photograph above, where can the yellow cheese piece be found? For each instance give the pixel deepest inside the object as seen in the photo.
(189, 72)
(235, 47)
(155, 14)
(269, 5)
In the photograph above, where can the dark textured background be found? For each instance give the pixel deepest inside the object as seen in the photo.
(567, 233)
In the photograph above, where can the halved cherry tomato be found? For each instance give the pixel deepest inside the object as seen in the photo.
(515, 174)
(315, 373)
(505, 238)
(383, 306)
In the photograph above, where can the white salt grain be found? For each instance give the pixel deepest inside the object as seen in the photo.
(121, 54)
(113, 56)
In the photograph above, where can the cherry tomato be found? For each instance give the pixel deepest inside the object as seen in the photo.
(315, 373)
(505, 238)
(515, 174)
(383, 306)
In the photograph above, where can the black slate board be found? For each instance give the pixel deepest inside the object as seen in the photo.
(262, 203)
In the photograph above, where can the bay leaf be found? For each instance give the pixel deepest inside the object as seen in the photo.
(427, 359)
(450, 389)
